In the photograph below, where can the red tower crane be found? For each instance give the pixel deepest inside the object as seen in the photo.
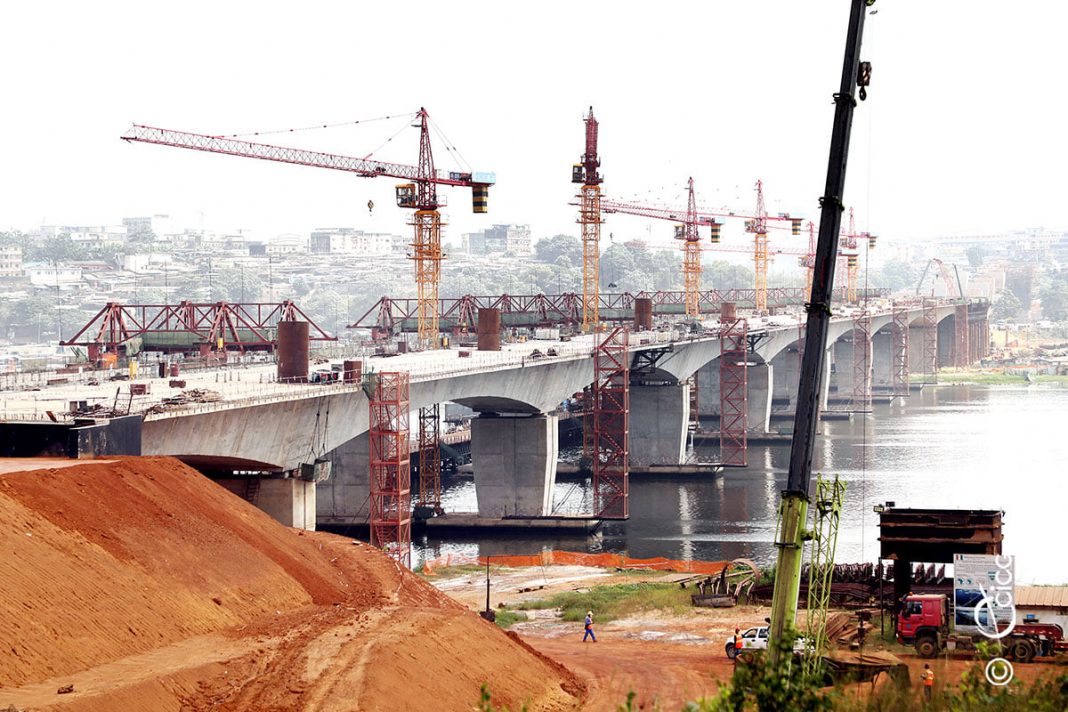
(419, 193)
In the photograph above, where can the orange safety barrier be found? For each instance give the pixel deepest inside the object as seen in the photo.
(572, 558)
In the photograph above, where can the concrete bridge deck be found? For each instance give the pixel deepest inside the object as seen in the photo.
(259, 424)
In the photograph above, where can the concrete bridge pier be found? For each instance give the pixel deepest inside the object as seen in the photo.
(514, 459)
(761, 388)
(345, 498)
(882, 361)
(840, 356)
(659, 419)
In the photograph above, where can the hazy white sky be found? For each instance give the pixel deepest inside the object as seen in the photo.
(962, 131)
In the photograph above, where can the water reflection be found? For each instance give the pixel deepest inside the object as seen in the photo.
(977, 447)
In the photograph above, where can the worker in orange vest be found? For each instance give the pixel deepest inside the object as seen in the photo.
(737, 640)
(928, 682)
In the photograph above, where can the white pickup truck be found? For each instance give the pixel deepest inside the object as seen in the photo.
(757, 639)
(752, 639)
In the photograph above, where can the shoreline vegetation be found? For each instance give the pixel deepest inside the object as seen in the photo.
(989, 378)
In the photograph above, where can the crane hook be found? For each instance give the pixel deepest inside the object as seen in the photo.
(370, 207)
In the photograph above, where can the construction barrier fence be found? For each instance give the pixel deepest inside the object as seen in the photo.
(572, 558)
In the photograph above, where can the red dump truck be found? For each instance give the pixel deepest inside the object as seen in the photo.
(924, 622)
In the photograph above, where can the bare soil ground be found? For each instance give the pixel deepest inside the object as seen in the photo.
(147, 587)
(665, 659)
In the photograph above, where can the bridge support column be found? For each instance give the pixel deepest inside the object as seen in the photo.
(882, 362)
(708, 390)
(515, 464)
(840, 366)
(289, 501)
(761, 388)
(659, 417)
(345, 497)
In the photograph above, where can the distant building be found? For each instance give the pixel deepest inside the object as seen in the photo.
(97, 237)
(148, 262)
(158, 225)
(349, 241)
(286, 245)
(499, 239)
(45, 275)
(10, 261)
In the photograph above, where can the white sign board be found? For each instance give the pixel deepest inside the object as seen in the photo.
(984, 594)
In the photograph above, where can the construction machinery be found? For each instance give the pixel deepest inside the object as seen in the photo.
(418, 193)
(687, 231)
(950, 280)
(791, 532)
(585, 173)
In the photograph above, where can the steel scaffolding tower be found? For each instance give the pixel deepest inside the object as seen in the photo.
(861, 401)
(430, 457)
(930, 342)
(900, 352)
(391, 519)
(611, 397)
(733, 391)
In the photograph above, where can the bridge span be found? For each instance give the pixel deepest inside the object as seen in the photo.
(257, 425)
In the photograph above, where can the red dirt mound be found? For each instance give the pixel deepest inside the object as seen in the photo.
(147, 586)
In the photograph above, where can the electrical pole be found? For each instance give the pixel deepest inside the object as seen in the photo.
(793, 510)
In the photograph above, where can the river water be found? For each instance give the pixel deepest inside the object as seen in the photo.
(966, 446)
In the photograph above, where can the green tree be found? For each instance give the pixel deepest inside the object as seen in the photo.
(975, 255)
(1007, 306)
(549, 249)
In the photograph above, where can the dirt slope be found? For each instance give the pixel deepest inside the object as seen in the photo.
(149, 587)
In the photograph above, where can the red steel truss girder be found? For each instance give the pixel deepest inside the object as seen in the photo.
(391, 497)
(566, 309)
(116, 323)
(899, 356)
(861, 401)
(430, 456)
(734, 393)
(611, 409)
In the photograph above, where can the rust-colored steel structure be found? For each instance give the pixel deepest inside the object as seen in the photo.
(585, 172)
(611, 434)
(733, 389)
(430, 457)
(643, 314)
(394, 315)
(930, 342)
(695, 402)
(240, 327)
(489, 329)
(391, 496)
(293, 351)
(899, 356)
(961, 340)
(861, 400)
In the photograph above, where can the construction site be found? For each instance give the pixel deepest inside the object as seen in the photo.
(780, 496)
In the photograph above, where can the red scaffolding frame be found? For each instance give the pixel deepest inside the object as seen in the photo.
(930, 342)
(899, 376)
(391, 496)
(734, 392)
(961, 342)
(611, 432)
(861, 400)
(695, 402)
(430, 457)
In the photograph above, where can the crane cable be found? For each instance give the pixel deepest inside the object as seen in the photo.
(316, 126)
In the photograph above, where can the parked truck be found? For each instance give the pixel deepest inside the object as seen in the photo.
(924, 622)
